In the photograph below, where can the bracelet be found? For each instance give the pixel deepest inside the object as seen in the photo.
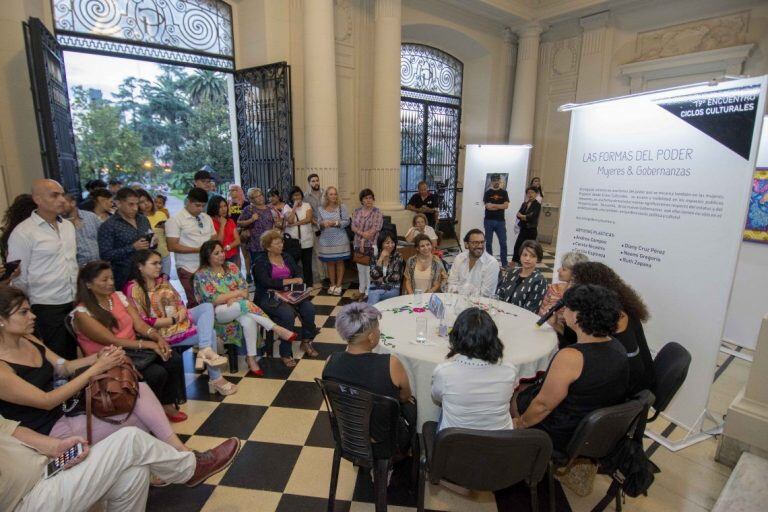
(139, 344)
(149, 332)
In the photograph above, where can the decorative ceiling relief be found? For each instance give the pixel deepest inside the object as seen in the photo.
(696, 36)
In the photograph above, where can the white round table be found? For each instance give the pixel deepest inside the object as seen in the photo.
(526, 346)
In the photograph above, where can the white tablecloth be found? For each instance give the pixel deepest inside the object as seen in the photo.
(526, 346)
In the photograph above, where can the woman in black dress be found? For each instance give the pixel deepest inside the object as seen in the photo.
(528, 220)
(588, 375)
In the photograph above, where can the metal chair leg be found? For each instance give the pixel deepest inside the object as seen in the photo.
(422, 486)
(232, 356)
(618, 500)
(334, 479)
(534, 497)
(551, 478)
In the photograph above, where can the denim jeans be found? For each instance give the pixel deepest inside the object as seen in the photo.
(500, 228)
(376, 295)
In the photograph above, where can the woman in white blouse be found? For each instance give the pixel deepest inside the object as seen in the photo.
(474, 386)
(420, 227)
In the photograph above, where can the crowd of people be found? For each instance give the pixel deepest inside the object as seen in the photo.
(92, 288)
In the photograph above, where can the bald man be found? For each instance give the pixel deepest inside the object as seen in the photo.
(45, 244)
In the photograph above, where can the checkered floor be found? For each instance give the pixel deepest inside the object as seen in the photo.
(287, 447)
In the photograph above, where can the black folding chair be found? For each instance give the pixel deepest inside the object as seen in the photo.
(671, 367)
(349, 409)
(483, 460)
(597, 435)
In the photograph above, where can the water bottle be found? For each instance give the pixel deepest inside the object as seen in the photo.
(58, 374)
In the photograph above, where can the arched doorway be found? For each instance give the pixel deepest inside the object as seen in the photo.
(430, 116)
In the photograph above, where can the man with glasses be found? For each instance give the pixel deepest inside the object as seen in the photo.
(474, 270)
(185, 233)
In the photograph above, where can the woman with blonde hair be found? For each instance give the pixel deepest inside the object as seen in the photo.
(555, 291)
(333, 244)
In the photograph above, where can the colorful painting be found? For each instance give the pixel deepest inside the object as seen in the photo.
(756, 229)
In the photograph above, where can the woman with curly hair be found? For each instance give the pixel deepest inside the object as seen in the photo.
(20, 210)
(591, 374)
(630, 328)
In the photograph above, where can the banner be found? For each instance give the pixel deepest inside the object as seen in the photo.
(482, 160)
(656, 187)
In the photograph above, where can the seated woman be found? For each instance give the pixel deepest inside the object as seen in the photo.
(419, 226)
(629, 332)
(105, 317)
(275, 270)
(524, 286)
(591, 374)
(386, 270)
(160, 306)
(221, 283)
(423, 271)
(474, 386)
(555, 291)
(28, 369)
(383, 374)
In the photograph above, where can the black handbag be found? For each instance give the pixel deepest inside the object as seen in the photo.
(292, 247)
(141, 358)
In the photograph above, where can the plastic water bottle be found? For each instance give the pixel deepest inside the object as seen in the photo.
(58, 374)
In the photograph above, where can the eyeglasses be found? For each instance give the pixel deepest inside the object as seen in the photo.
(476, 242)
(199, 222)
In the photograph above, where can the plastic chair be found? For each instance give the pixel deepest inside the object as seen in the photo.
(671, 366)
(598, 434)
(349, 410)
(483, 460)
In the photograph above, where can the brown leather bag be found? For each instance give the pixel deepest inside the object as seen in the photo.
(112, 393)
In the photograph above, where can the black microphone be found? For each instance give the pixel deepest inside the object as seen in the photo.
(546, 316)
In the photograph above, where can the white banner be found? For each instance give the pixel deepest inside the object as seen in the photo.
(655, 187)
(511, 162)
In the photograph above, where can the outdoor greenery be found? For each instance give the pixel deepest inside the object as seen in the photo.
(154, 132)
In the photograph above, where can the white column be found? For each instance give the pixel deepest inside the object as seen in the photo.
(524, 99)
(385, 172)
(595, 61)
(508, 65)
(320, 112)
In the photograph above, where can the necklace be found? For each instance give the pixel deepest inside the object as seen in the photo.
(109, 303)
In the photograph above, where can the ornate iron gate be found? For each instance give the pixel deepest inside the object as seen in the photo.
(264, 126)
(430, 116)
(51, 99)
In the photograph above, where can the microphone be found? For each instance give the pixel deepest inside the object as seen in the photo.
(546, 316)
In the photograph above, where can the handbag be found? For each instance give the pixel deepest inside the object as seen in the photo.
(112, 393)
(141, 359)
(361, 258)
(292, 247)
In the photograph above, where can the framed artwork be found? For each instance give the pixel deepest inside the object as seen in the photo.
(756, 229)
(503, 175)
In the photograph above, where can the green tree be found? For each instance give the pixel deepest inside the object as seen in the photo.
(209, 141)
(203, 85)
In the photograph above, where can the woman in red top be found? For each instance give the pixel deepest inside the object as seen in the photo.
(226, 229)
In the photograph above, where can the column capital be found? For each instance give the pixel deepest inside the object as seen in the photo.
(595, 21)
(508, 36)
(530, 30)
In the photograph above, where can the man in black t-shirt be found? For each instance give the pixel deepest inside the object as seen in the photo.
(496, 200)
(424, 202)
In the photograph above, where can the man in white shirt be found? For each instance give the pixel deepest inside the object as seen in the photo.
(474, 270)
(185, 233)
(314, 196)
(46, 246)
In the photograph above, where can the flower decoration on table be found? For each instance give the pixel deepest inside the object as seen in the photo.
(407, 308)
(491, 309)
(385, 340)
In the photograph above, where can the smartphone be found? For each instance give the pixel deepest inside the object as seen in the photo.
(10, 268)
(298, 287)
(62, 460)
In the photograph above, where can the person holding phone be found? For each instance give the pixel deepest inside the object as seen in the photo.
(124, 233)
(114, 473)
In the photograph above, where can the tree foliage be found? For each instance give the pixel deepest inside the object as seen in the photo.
(179, 120)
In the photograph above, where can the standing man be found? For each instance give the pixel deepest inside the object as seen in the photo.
(426, 203)
(496, 200)
(314, 197)
(528, 217)
(185, 233)
(474, 270)
(124, 233)
(86, 230)
(46, 246)
(205, 179)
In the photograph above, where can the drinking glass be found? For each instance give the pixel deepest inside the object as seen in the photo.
(422, 324)
(418, 296)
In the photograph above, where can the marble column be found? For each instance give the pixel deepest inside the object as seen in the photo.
(321, 139)
(595, 60)
(384, 176)
(524, 98)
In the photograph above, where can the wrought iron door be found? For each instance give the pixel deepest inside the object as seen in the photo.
(429, 143)
(264, 126)
(54, 118)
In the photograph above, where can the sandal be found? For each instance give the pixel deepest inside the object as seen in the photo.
(289, 362)
(211, 358)
(308, 349)
(224, 388)
(292, 336)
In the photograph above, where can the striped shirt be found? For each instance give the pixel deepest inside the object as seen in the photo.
(526, 292)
